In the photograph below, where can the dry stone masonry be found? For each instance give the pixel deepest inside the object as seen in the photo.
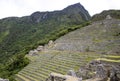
(60, 77)
(33, 52)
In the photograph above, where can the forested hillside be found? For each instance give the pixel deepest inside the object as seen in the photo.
(19, 35)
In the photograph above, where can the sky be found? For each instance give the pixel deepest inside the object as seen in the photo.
(21, 8)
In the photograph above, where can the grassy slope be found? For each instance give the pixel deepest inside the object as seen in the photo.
(53, 61)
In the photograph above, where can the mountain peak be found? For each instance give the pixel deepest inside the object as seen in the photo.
(76, 5)
(75, 9)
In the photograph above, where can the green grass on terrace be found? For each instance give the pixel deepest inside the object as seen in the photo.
(54, 61)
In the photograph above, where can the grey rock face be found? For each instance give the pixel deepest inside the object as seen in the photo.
(115, 74)
(100, 71)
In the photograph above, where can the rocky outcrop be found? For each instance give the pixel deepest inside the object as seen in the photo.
(101, 73)
(94, 71)
(98, 71)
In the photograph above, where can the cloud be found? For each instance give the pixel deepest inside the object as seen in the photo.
(27, 7)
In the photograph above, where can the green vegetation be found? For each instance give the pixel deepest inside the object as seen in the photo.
(21, 44)
(53, 61)
(110, 58)
(19, 35)
(15, 64)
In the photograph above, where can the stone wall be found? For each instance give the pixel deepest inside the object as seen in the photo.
(60, 77)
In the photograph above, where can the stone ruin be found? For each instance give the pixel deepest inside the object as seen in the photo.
(48, 46)
(72, 73)
(4, 79)
(93, 71)
(50, 43)
(60, 77)
(40, 48)
(98, 71)
(33, 52)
